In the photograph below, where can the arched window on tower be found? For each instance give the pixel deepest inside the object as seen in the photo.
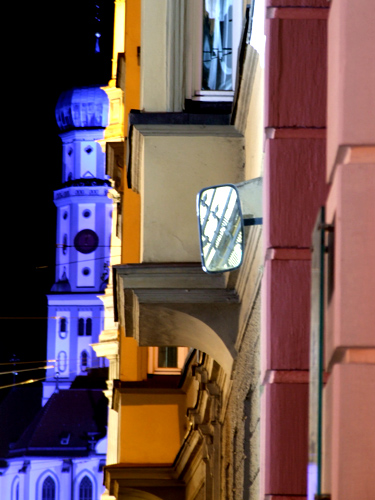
(81, 326)
(63, 324)
(84, 361)
(88, 326)
(85, 489)
(63, 327)
(49, 489)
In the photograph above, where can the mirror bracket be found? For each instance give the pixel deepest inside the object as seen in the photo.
(252, 221)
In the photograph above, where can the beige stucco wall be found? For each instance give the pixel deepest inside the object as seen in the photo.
(173, 163)
(161, 58)
(153, 55)
(254, 134)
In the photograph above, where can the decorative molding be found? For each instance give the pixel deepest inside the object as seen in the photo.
(155, 276)
(352, 355)
(286, 377)
(83, 190)
(285, 497)
(297, 13)
(118, 478)
(347, 154)
(186, 296)
(290, 377)
(295, 133)
(288, 254)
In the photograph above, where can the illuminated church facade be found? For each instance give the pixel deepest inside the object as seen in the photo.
(61, 453)
(84, 220)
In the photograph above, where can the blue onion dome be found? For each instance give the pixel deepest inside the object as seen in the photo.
(85, 107)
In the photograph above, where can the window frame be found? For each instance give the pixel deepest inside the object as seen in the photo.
(153, 361)
(45, 491)
(80, 488)
(84, 361)
(194, 44)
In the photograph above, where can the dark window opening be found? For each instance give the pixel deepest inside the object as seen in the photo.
(84, 361)
(88, 326)
(63, 325)
(85, 489)
(48, 489)
(167, 357)
(81, 326)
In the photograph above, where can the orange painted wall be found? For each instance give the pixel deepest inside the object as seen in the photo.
(133, 359)
(152, 427)
(131, 200)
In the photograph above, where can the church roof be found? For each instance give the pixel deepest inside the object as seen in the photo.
(70, 424)
(85, 107)
(17, 411)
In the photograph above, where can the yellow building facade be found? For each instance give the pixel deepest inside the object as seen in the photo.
(181, 343)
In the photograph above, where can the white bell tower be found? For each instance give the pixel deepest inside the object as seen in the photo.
(84, 214)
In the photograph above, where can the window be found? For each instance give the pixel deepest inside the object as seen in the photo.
(16, 489)
(81, 326)
(62, 361)
(167, 357)
(85, 489)
(85, 326)
(63, 327)
(84, 361)
(217, 45)
(212, 49)
(63, 324)
(48, 489)
(88, 326)
(166, 360)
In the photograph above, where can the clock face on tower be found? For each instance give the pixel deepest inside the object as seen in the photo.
(86, 241)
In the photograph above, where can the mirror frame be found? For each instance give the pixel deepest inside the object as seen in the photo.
(238, 203)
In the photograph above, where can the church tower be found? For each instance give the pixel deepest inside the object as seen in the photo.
(84, 214)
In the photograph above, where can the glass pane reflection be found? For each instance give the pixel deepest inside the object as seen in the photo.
(221, 228)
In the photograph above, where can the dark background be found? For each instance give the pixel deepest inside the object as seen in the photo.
(50, 48)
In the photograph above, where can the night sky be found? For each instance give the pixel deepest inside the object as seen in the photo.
(51, 48)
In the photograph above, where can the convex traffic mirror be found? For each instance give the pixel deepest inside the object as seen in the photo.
(220, 228)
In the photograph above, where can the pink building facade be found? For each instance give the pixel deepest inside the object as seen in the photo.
(320, 151)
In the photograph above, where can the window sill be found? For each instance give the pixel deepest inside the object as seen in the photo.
(214, 96)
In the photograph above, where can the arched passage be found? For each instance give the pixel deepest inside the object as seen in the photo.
(132, 494)
(162, 326)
